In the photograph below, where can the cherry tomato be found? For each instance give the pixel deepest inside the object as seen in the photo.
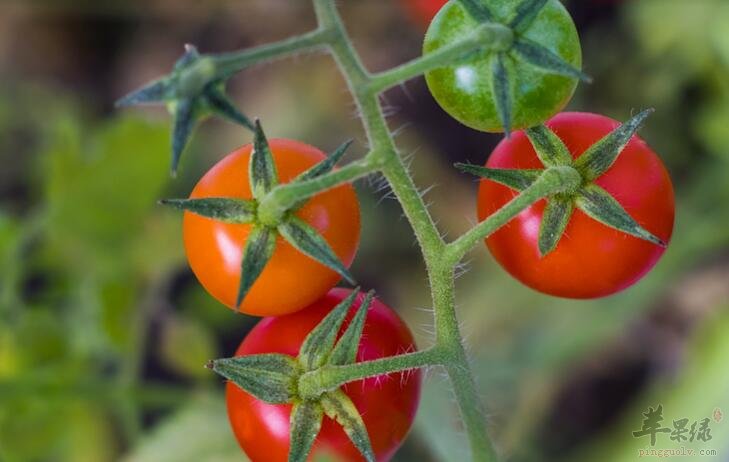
(290, 280)
(423, 10)
(591, 259)
(464, 90)
(387, 403)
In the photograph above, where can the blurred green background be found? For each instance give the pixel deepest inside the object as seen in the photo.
(104, 330)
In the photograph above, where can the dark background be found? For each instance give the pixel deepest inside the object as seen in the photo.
(104, 330)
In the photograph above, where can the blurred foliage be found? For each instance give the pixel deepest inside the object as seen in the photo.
(104, 331)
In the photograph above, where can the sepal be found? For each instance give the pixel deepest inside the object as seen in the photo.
(339, 407)
(517, 179)
(539, 56)
(317, 346)
(501, 90)
(270, 377)
(261, 168)
(597, 159)
(224, 209)
(306, 419)
(308, 241)
(550, 149)
(345, 351)
(526, 12)
(258, 251)
(555, 218)
(601, 206)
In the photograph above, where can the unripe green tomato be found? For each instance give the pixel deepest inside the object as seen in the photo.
(464, 90)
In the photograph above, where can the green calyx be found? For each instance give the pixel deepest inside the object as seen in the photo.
(578, 177)
(512, 45)
(301, 381)
(268, 218)
(192, 91)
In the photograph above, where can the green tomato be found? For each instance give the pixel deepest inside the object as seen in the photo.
(465, 90)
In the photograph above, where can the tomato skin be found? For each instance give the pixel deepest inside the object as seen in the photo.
(290, 280)
(464, 90)
(591, 259)
(423, 11)
(387, 403)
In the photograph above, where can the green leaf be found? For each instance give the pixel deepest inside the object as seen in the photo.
(549, 147)
(270, 377)
(262, 169)
(259, 248)
(556, 216)
(539, 56)
(184, 121)
(227, 210)
(221, 105)
(318, 344)
(501, 91)
(518, 179)
(600, 156)
(601, 206)
(309, 242)
(526, 12)
(339, 407)
(345, 351)
(159, 91)
(478, 10)
(306, 418)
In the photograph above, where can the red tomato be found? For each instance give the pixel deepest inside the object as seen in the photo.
(591, 260)
(387, 403)
(424, 10)
(291, 280)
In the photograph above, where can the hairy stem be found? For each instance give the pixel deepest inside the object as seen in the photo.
(488, 35)
(228, 64)
(553, 180)
(314, 383)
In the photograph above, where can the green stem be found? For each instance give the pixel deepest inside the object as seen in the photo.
(228, 64)
(553, 180)
(280, 199)
(328, 378)
(488, 35)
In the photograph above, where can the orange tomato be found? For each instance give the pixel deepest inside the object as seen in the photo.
(290, 280)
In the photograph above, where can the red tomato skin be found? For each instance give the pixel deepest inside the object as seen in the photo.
(591, 260)
(387, 403)
(291, 280)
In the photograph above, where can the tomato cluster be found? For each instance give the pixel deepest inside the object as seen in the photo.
(593, 239)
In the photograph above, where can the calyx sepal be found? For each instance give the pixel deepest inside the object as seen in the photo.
(274, 378)
(588, 197)
(192, 92)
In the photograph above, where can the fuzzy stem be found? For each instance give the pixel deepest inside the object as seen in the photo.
(488, 35)
(553, 180)
(313, 384)
(228, 64)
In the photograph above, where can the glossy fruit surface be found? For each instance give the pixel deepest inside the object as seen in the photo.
(591, 259)
(290, 280)
(464, 90)
(387, 403)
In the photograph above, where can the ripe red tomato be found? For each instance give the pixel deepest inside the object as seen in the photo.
(387, 403)
(290, 280)
(423, 10)
(591, 259)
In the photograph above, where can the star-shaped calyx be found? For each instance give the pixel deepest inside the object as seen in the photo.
(192, 91)
(519, 48)
(261, 242)
(590, 198)
(277, 379)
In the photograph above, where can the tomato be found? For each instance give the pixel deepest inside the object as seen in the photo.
(290, 280)
(464, 90)
(423, 10)
(591, 259)
(387, 403)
